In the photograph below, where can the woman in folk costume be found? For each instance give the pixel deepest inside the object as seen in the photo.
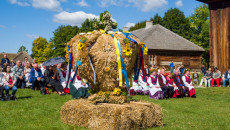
(78, 86)
(155, 91)
(142, 81)
(135, 87)
(172, 84)
(188, 83)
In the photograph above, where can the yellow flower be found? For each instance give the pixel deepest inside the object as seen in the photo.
(107, 69)
(117, 91)
(128, 51)
(80, 46)
(100, 93)
(102, 31)
(142, 43)
(145, 51)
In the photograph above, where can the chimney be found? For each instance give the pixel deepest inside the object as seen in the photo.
(125, 29)
(149, 24)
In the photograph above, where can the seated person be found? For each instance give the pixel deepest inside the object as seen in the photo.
(154, 87)
(142, 81)
(62, 74)
(208, 77)
(135, 88)
(226, 78)
(9, 80)
(167, 90)
(27, 70)
(37, 77)
(172, 84)
(203, 79)
(195, 77)
(19, 73)
(54, 80)
(78, 86)
(216, 77)
(1, 86)
(188, 83)
(183, 90)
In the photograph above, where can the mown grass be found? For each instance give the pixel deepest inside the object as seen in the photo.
(210, 110)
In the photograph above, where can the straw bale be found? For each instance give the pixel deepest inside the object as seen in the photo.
(106, 116)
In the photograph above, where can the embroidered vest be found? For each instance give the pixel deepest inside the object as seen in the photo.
(154, 80)
(188, 79)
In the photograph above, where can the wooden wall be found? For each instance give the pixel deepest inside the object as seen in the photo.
(220, 35)
(192, 62)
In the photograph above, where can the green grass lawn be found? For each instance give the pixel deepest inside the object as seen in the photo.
(210, 110)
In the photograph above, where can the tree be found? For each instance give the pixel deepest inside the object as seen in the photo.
(40, 49)
(157, 20)
(175, 21)
(138, 26)
(89, 25)
(199, 22)
(62, 35)
(22, 48)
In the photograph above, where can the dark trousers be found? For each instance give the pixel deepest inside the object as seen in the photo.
(7, 89)
(181, 91)
(23, 82)
(40, 83)
(1, 91)
(170, 91)
(57, 85)
(167, 91)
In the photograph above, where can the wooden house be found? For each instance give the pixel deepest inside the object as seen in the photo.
(219, 11)
(166, 46)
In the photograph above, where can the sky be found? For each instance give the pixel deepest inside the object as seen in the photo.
(22, 21)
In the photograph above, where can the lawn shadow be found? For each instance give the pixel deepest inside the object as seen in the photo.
(25, 97)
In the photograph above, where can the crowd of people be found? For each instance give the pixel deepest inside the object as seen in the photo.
(155, 82)
(26, 74)
(161, 85)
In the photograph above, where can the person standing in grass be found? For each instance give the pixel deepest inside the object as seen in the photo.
(216, 77)
(171, 66)
(226, 78)
(182, 70)
(5, 61)
(9, 80)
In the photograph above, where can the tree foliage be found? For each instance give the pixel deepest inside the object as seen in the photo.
(175, 21)
(22, 48)
(200, 23)
(138, 25)
(62, 35)
(157, 20)
(41, 49)
(89, 25)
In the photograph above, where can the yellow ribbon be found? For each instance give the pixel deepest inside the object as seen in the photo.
(118, 61)
(131, 81)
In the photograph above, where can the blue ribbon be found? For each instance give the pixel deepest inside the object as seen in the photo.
(136, 70)
(74, 76)
(124, 71)
(70, 66)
